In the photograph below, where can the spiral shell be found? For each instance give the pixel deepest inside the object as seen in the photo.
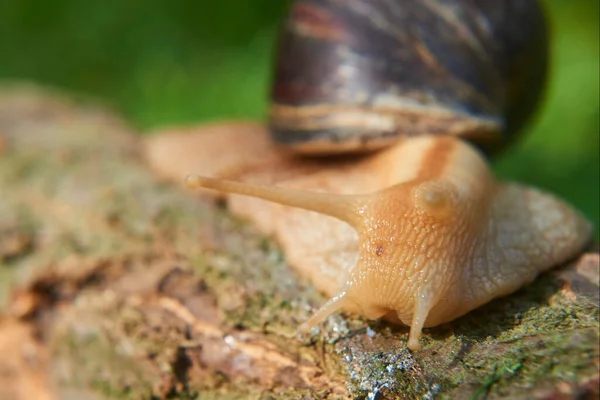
(355, 75)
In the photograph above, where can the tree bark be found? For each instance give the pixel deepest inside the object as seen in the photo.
(117, 285)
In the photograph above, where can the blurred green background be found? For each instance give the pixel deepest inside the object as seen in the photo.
(164, 62)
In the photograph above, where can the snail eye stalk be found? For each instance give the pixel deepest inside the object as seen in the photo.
(343, 207)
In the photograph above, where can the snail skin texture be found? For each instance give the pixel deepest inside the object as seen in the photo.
(420, 232)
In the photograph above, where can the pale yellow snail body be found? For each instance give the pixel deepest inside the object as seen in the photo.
(444, 240)
(437, 235)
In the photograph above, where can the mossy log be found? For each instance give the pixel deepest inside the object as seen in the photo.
(117, 285)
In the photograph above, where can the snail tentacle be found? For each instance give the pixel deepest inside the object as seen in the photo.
(343, 207)
(424, 302)
(334, 304)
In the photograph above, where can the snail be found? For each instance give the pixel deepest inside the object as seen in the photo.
(422, 91)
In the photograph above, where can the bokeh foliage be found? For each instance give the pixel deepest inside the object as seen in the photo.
(173, 62)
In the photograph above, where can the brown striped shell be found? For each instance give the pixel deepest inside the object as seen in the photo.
(355, 74)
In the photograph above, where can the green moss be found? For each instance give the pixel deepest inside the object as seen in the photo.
(110, 392)
(99, 367)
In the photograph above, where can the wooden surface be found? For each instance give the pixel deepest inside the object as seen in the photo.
(118, 285)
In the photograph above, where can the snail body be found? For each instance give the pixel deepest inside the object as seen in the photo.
(429, 82)
(438, 236)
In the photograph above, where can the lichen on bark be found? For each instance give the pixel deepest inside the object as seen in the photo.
(124, 286)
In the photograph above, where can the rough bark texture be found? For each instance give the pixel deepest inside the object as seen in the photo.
(116, 285)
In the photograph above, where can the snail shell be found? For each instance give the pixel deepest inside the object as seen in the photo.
(354, 75)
